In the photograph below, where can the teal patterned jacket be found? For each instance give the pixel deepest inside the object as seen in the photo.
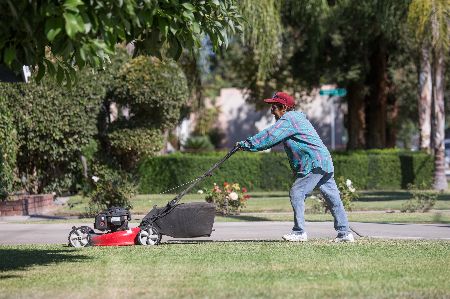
(302, 144)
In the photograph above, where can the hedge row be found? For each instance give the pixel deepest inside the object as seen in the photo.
(374, 169)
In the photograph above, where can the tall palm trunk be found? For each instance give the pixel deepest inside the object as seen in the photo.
(425, 95)
(440, 181)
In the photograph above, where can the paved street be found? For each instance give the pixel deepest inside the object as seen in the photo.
(57, 233)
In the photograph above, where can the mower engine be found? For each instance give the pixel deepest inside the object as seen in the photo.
(113, 219)
(114, 225)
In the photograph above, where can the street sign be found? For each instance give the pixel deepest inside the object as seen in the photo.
(340, 92)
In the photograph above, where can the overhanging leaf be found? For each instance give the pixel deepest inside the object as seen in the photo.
(72, 5)
(52, 28)
(9, 55)
(188, 6)
(74, 24)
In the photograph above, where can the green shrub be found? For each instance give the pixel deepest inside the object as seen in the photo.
(275, 172)
(8, 150)
(153, 90)
(198, 144)
(129, 145)
(56, 124)
(271, 171)
(158, 174)
(229, 199)
(347, 192)
(207, 117)
(53, 123)
(421, 201)
(109, 188)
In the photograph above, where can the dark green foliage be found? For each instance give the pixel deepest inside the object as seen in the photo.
(198, 144)
(8, 149)
(422, 170)
(86, 32)
(350, 165)
(278, 173)
(53, 123)
(109, 187)
(154, 90)
(205, 130)
(375, 169)
(422, 201)
(383, 171)
(158, 174)
(129, 145)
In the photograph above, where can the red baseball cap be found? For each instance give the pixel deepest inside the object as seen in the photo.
(282, 98)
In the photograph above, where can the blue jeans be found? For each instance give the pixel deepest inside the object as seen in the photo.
(303, 186)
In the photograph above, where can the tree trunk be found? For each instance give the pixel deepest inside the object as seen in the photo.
(163, 150)
(440, 181)
(425, 95)
(356, 117)
(391, 128)
(376, 109)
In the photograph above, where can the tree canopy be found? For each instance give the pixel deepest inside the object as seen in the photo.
(56, 36)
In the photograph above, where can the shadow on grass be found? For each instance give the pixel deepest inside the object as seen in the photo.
(22, 259)
(269, 194)
(383, 195)
(181, 241)
(394, 195)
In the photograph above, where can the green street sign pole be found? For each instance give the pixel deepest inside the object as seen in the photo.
(339, 92)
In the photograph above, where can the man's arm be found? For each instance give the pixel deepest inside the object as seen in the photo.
(269, 137)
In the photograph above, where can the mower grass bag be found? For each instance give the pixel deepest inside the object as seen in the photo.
(185, 220)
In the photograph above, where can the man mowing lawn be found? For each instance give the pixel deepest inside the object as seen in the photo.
(310, 161)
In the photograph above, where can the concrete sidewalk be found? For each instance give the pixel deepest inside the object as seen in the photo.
(57, 233)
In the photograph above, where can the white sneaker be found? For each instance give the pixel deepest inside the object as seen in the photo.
(347, 238)
(295, 237)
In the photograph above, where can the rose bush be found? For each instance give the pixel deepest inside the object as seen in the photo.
(347, 193)
(229, 200)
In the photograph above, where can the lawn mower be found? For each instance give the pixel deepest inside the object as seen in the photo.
(178, 220)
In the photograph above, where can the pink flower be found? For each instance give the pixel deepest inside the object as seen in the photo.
(244, 189)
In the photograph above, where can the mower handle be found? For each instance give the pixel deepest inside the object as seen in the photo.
(200, 178)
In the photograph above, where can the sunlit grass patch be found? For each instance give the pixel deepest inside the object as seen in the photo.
(315, 269)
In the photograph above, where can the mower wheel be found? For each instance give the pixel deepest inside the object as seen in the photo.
(149, 235)
(80, 236)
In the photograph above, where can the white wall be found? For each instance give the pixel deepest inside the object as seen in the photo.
(239, 120)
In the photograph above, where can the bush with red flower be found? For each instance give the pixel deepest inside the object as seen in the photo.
(229, 200)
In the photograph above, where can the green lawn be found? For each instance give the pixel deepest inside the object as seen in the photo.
(275, 206)
(268, 202)
(316, 269)
(372, 217)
